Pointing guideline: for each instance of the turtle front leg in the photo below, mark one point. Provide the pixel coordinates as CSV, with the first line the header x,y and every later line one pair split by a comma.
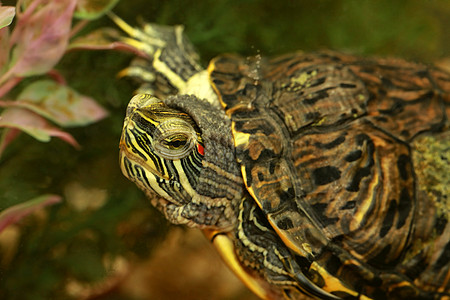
x,y
170,59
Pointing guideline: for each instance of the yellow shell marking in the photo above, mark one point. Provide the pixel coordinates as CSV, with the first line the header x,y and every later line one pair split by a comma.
x,y
333,284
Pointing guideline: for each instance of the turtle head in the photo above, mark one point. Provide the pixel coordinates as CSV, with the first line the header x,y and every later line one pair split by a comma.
x,y
166,151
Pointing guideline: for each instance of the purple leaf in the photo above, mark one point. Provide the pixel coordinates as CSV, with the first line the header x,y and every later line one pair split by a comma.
x,y
60,104
41,36
34,125
17,212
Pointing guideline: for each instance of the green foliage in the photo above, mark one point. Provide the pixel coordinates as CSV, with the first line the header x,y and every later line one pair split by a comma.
x,y
410,29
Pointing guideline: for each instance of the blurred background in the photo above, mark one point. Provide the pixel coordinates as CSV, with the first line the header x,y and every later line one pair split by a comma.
x,y
104,240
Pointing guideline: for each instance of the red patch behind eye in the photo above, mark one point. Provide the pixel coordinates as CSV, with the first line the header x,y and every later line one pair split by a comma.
x,y
200,149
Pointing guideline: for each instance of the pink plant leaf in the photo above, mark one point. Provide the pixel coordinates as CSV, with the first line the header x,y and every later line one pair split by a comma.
x,y
40,36
93,9
17,212
34,125
59,103
7,14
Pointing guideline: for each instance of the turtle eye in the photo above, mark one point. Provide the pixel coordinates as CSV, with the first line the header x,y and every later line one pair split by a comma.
x,y
174,139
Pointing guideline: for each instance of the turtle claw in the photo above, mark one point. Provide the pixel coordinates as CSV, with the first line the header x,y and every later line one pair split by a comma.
x,y
168,58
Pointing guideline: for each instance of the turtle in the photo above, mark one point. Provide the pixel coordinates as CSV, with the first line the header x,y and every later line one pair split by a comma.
x,y
322,174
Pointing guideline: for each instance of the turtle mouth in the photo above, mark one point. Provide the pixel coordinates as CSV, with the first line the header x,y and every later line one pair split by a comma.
x,y
134,147
131,163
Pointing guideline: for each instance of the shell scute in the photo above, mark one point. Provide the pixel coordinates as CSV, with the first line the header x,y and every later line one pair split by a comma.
x,y
325,146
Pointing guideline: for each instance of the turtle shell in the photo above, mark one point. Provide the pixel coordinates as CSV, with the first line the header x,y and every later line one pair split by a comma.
x,y
347,159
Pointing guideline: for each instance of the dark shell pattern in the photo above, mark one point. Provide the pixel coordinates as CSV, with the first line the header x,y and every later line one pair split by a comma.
x,y
348,159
